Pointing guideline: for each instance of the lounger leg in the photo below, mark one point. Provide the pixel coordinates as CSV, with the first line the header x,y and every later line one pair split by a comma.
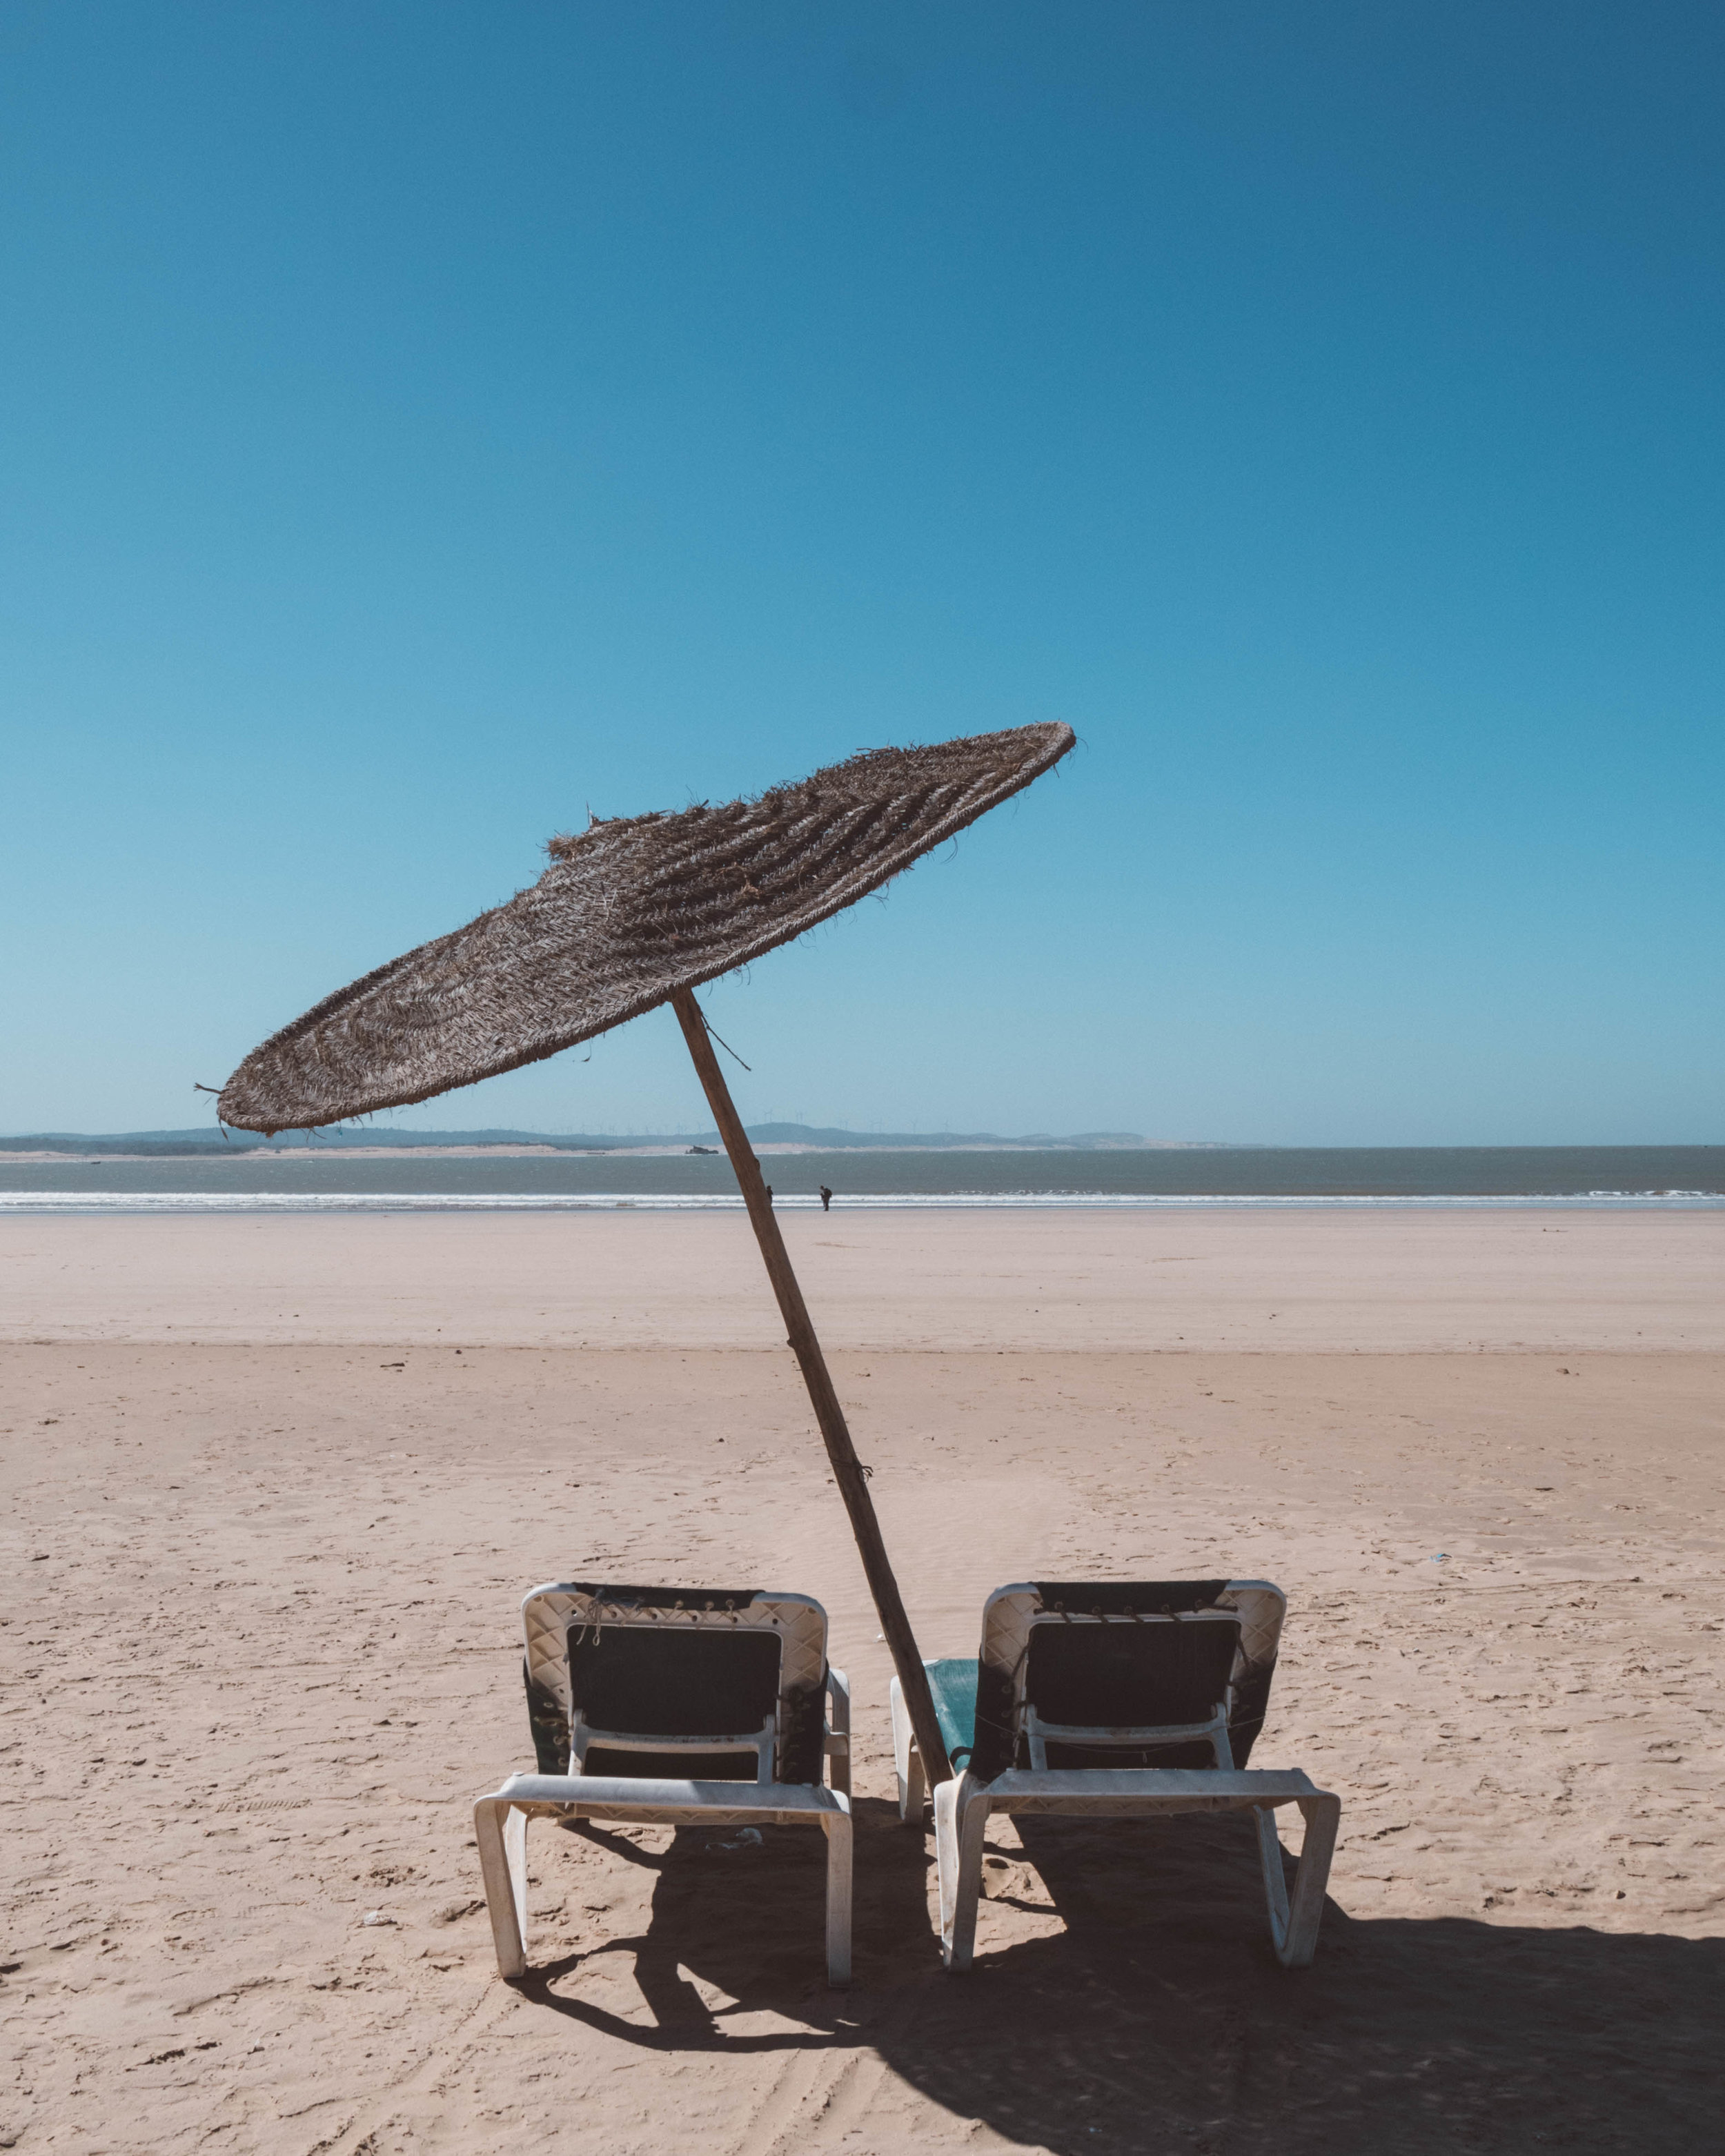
x,y
500,1829
912,1784
961,1821
838,1833
1322,1814
913,1791
946,1860
1276,1884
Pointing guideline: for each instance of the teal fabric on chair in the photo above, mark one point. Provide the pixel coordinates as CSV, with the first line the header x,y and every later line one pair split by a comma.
x,y
953,1685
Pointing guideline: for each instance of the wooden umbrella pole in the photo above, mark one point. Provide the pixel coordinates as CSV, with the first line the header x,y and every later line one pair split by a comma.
x,y
847,1469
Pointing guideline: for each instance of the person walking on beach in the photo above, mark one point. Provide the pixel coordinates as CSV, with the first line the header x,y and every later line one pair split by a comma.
x,y
826,1199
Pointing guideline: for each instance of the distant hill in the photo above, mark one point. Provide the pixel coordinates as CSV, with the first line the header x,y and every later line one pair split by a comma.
x,y
210,1140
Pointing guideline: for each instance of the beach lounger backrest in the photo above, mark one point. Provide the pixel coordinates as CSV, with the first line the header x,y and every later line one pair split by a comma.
x,y
617,1666
1124,1656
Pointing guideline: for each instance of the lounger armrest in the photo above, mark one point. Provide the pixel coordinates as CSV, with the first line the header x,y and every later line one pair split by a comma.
x,y
836,1744
501,1821
961,1810
619,1794
1162,1789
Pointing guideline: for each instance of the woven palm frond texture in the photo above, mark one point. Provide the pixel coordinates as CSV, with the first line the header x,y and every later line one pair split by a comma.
x,y
628,911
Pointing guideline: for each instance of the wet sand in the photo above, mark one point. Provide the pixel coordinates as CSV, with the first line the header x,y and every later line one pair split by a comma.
x,y
1398,1280
262,1648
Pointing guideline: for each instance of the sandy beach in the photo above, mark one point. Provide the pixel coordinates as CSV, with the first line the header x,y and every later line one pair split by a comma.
x,y
276,1486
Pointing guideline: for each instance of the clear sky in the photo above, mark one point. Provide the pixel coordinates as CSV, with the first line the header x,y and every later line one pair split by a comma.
x,y
424,422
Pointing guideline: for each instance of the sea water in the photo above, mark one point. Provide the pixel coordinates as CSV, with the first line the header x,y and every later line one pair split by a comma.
x,y
1680,1177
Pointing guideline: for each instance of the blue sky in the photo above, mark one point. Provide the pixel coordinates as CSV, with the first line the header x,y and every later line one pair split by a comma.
x,y
423,422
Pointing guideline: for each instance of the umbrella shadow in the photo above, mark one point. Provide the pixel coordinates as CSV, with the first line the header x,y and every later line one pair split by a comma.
x,y
1125,2001
1155,2017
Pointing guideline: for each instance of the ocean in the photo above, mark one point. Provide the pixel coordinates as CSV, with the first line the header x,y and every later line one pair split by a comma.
x,y
1683,1177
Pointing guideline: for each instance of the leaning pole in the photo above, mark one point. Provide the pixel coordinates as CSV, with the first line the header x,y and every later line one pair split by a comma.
x,y
848,1471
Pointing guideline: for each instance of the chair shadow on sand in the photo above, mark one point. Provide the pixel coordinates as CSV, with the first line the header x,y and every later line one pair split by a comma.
x,y
1152,2016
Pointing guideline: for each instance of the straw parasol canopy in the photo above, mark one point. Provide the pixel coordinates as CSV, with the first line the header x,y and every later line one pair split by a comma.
x,y
630,912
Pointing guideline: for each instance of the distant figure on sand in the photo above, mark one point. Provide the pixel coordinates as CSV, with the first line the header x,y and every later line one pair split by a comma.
x,y
826,1199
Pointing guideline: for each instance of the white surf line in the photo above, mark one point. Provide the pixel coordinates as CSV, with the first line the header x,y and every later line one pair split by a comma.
x,y
373,1201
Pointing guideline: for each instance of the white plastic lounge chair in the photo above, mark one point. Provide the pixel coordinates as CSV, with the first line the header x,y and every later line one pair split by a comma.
x,y
673,1707
1124,1700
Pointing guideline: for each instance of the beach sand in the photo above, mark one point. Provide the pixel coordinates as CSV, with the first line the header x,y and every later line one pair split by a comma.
x,y
268,1531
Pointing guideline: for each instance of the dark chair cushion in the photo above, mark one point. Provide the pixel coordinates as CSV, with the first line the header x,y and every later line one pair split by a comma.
x,y
664,1679
1119,1677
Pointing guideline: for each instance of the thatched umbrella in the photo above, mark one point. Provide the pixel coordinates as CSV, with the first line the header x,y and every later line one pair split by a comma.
x,y
633,913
